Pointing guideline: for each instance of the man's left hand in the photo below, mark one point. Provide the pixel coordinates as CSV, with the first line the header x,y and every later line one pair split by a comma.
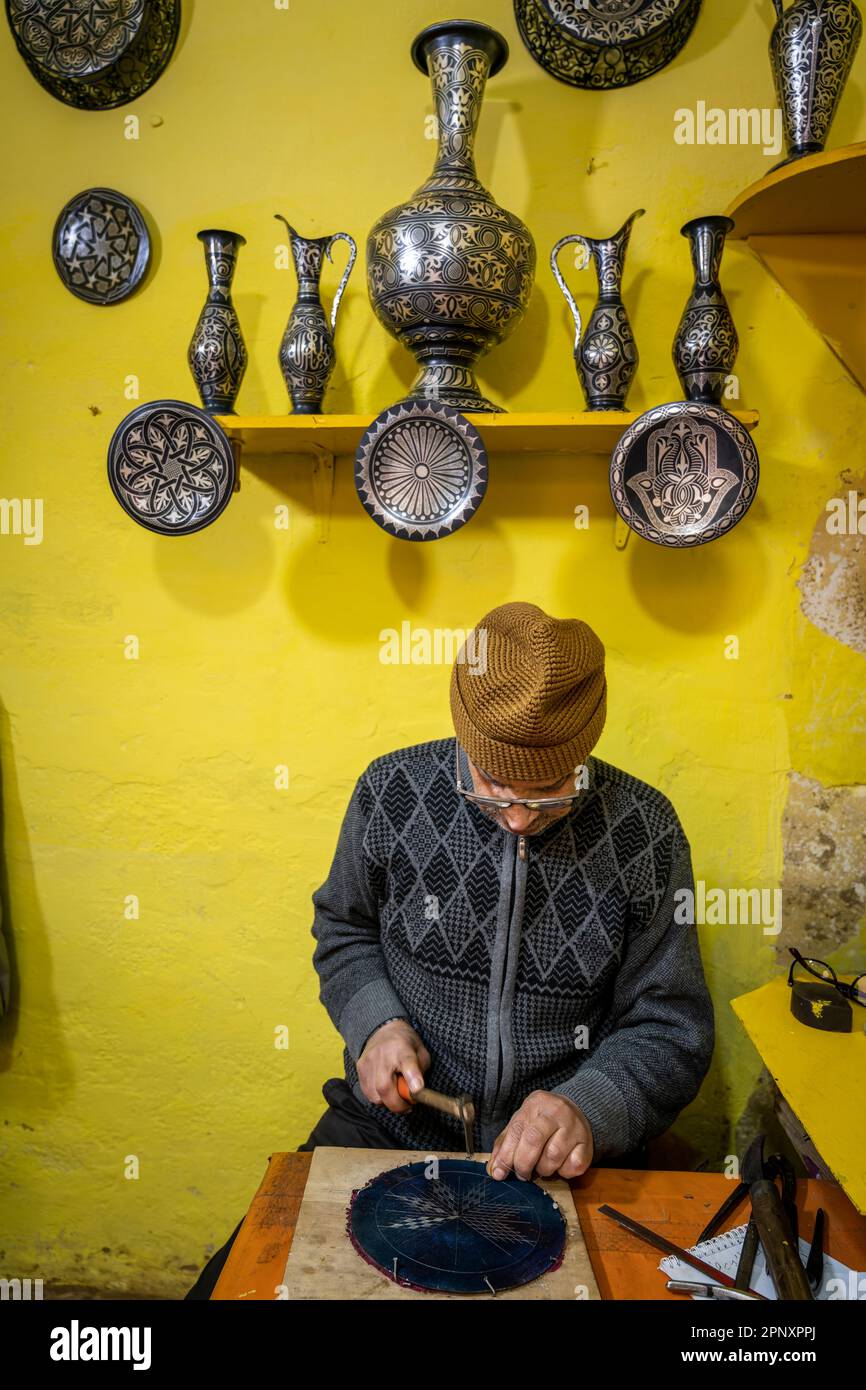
x,y
549,1135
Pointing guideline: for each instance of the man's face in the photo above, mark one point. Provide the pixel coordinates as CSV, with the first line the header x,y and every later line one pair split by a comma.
x,y
519,820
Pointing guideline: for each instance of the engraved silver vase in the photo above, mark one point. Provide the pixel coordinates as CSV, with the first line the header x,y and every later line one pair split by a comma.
x,y
706,342
450,272
812,50
217,353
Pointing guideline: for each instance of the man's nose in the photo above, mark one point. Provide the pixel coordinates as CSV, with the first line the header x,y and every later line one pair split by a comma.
x,y
518,819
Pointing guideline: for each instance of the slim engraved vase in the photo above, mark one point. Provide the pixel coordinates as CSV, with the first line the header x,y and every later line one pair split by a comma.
x,y
307,354
217,353
450,272
706,343
606,355
812,50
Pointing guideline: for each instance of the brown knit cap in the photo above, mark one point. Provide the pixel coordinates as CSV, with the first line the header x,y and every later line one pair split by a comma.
x,y
535,708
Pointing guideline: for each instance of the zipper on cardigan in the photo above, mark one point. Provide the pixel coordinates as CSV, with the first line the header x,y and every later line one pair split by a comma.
x,y
522,852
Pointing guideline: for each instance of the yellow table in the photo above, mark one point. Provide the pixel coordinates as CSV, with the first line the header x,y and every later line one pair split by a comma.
x,y
822,1077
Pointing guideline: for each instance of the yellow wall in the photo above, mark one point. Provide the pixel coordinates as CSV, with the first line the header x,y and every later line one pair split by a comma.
x,y
155,777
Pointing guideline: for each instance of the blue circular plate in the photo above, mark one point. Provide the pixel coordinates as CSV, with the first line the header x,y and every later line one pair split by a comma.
x,y
451,1229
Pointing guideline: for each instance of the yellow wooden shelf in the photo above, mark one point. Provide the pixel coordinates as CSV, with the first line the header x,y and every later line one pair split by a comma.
x,y
584,433
819,1074
807,224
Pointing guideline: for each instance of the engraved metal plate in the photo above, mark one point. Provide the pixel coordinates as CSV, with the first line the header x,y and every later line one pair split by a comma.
x,y
684,474
101,246
171,467
604,43
95,54
421,470
456,1230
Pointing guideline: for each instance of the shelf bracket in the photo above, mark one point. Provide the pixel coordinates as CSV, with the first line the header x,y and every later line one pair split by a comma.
x,y
323,490
236,452
621,532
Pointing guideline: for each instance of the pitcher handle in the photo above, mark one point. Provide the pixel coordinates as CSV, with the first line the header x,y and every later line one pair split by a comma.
x,y
341,236
569,297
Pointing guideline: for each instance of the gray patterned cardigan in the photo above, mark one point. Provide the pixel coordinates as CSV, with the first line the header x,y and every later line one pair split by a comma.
x,y
546,963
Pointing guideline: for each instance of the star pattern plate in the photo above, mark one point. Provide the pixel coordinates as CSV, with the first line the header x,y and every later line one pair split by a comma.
x,y
421,470
101,246
684,474
171,467
452,1229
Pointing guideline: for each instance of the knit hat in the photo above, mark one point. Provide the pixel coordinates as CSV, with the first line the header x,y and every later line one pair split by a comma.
x,y
534,707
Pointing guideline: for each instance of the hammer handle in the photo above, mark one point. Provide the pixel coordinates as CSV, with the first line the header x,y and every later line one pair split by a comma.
x,y
780,1246
434,1099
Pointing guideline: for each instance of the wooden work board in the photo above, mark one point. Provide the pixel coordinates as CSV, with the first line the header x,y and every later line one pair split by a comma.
x,y
323,1263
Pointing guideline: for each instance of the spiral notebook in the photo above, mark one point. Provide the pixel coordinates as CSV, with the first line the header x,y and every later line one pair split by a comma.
x,y
723,1253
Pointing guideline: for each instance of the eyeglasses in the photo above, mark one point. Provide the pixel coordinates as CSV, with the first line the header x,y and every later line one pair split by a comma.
x,y
856,991
547,803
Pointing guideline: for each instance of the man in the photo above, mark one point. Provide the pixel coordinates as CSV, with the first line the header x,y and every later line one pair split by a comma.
x,y
498,921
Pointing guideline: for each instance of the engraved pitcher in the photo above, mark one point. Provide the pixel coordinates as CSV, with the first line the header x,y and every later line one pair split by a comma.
x,y
307,353
606,355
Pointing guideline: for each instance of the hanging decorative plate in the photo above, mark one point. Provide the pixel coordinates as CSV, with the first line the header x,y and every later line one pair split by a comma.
x,y
604,43
683,474
452,1229
95,54
421,470
101,247
171,467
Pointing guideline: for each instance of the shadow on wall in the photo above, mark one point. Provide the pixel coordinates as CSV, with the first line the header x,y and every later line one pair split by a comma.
x,y
50,1074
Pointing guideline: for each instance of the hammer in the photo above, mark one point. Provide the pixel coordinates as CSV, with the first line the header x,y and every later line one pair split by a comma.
x,y
461,1107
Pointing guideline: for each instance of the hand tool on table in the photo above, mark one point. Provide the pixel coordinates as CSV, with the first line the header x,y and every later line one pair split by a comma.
x,y
652,1238
815,1262
718,1291
771,1215
462,1107
731,1202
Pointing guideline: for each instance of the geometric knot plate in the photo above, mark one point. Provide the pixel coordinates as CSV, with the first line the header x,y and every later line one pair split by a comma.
x,y
684,474
444,1226
171,467
101,246
421,470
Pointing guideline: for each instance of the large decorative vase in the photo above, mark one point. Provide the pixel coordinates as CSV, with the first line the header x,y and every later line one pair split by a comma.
x,y
606,355
812,49
307,355
217,352
706,344
450,272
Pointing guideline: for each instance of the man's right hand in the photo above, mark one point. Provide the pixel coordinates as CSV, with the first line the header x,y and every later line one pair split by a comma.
x,y
393,1049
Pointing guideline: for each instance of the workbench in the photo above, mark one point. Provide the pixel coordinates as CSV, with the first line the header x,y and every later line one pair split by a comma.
x,y
677,1205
